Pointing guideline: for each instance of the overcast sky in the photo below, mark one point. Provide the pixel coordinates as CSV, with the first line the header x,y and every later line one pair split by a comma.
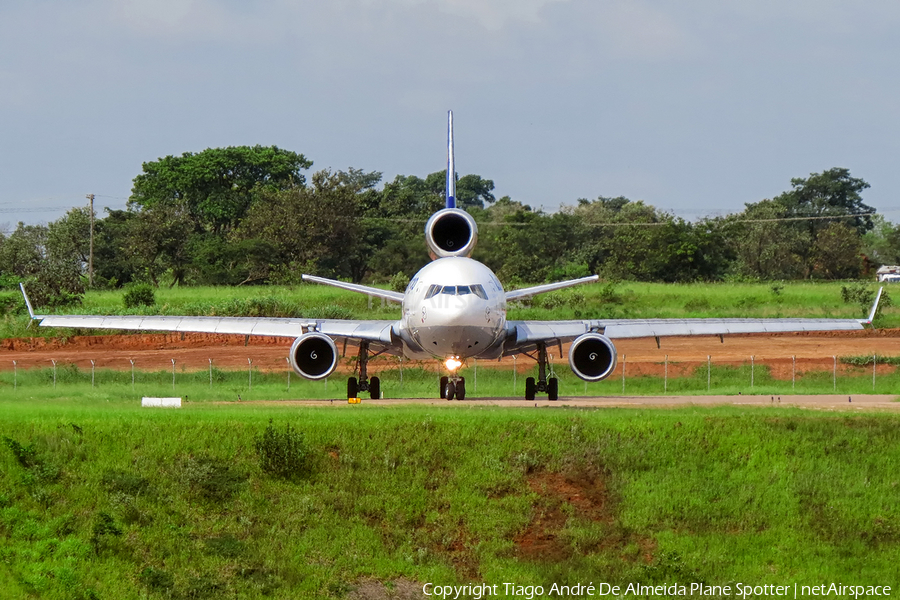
x,y
695,107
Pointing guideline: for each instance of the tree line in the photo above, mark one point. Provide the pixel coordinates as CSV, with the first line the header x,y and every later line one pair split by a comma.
x,y
255,215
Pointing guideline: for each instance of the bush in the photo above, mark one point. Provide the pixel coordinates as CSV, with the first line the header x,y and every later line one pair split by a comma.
x,y
399,282
140,294
211,478
283,453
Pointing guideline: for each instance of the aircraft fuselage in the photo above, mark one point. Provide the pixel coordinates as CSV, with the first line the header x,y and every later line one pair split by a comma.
x,y
454,307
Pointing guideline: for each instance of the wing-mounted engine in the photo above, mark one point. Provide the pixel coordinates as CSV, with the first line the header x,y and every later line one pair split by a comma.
x,y
451,232
313,355
592,357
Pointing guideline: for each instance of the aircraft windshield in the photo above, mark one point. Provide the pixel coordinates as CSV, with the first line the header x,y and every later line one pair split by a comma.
x,y
456,290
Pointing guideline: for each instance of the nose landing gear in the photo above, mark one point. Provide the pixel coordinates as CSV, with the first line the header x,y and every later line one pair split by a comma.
x,y
453,387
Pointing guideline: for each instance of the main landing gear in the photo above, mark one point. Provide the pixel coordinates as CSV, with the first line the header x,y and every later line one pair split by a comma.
x,y
363,384
550,386
453,387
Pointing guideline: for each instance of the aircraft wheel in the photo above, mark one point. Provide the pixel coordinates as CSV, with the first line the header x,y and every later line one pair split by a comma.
x,y
450,390
553,389
352,388
375,388
461,389
530,388
444,381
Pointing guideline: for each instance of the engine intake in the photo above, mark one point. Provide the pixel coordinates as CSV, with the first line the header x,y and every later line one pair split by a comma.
x,y
592,357
451,232
313,355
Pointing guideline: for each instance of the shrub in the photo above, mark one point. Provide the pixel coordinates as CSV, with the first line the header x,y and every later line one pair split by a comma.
x,y
140,294
157,580
211,478
283,453
104,528
399,281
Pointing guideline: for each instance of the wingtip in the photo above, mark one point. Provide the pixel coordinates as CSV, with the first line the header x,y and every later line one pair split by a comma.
x,y
27,300
871,317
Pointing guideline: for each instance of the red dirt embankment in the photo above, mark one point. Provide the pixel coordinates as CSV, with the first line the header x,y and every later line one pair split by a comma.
x,y
193,351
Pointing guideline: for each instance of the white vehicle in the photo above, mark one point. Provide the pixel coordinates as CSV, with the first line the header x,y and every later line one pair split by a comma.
x,y
454,309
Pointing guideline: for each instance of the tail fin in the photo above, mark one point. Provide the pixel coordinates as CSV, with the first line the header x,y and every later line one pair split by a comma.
x,y
451,165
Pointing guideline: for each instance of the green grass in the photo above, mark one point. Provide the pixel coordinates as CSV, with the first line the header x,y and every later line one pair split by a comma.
x,y
112,501
75,385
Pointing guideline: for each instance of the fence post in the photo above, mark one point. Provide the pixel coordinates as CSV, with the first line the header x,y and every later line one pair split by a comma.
x,y
834,374
54,372
475,383
514,374
210,371
15,375
623,373
666,377
289,371
132,373
250,374
793,373
874,359
92,373
173,373
752,366
401,371
708,372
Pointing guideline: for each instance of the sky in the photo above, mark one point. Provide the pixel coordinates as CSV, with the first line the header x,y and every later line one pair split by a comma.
x,y
694,107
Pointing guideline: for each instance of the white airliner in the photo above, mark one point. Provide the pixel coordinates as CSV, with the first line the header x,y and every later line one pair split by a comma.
x,y
454,309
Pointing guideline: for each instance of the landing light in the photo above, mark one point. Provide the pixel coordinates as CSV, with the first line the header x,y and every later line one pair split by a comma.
x,y
453,364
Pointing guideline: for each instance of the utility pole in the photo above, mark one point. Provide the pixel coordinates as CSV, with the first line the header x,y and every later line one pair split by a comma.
x,y
91,253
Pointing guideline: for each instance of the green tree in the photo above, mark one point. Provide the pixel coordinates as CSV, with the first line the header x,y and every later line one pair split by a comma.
x,y
53,275
218,185
316,227
764,244
820,200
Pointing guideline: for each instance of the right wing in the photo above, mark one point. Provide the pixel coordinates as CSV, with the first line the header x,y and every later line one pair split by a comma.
x,y
381,332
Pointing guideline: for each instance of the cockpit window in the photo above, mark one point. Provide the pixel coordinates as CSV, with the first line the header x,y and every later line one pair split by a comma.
x,y
456,290
478,290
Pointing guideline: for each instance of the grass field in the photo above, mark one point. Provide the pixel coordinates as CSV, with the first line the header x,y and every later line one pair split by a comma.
x,y
75,384
104,500
601,300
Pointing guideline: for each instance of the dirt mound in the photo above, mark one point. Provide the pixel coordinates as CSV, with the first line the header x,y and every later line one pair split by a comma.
x,y
579,495
587,496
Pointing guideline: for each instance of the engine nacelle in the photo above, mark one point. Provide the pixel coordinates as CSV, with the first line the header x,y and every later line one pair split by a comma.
x,y
313,355
451,232
592,357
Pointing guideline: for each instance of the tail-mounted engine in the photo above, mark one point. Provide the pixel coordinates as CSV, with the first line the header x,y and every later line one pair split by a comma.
x,y
451,232
313,355
592,357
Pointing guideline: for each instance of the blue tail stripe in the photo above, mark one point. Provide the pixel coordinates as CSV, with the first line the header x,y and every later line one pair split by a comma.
x,y
451,165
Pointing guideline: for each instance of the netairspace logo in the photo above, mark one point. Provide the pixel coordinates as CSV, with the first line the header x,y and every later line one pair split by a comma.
x,y
737,590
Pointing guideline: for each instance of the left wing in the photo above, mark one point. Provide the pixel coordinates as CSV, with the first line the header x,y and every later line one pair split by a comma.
x,y
525,335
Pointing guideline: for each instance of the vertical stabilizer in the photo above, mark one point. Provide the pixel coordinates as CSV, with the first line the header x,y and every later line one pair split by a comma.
x,y
451,165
